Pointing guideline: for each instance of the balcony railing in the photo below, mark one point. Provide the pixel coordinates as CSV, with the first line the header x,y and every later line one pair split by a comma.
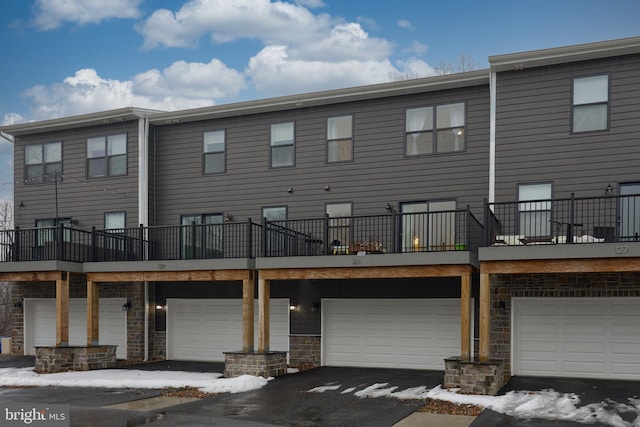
x,y
376,234
574,220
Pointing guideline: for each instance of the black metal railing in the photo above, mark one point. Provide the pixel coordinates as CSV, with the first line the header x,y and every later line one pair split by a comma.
x,y
389,233
563,221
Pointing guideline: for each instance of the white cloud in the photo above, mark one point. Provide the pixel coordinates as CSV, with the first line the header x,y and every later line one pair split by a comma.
x,y
273,72
406,24
416,48
417,67
228,20
180,86
192,80
11,119
311,3
50,14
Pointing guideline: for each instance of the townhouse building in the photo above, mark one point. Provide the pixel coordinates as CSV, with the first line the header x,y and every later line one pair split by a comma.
x,y
489,218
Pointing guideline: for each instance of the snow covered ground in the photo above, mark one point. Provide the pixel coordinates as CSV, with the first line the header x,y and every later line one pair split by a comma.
x,y
544,404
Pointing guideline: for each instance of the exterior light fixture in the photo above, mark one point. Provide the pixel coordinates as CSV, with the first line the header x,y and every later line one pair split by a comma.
x,y
609,190
293,307
161,307
126,306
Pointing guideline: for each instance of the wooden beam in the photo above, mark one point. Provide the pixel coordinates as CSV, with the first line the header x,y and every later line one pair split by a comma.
x,y
93,313
62,312
465,317
248,295
31,276
264,296
587,265
170,276
366,272
485,317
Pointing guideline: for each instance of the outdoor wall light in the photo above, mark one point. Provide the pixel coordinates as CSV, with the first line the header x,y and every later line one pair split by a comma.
x,y
126,306
228,217
609,190
327,187
290,190
315,306
161,307
17,304
293,307
389,208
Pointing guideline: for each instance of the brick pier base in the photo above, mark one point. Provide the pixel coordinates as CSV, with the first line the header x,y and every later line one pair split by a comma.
x,y
50,360
474,377
271,364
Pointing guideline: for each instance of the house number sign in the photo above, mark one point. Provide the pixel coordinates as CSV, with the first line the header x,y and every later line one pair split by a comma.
x,y
622,249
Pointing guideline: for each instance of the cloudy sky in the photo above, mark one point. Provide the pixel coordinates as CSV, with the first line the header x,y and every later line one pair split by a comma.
x,y
68,57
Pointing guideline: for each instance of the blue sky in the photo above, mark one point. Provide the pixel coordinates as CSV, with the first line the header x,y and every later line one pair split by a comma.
x,y
68,57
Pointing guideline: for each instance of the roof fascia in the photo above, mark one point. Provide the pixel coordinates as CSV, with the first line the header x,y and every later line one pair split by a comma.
x,y
292,102
93,119
560,55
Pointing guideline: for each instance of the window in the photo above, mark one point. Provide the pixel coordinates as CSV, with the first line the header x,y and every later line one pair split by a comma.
x,y
114,220
339,224
591,103
432,130
282,145
214,152
534,216
202,236
43,162
339,139
277,233
428,226
107,156
50,232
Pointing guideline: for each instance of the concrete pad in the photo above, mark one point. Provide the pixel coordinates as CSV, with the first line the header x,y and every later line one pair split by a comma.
x,y
152,403
425,419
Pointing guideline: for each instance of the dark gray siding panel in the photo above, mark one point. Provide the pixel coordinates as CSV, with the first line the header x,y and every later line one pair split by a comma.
x,y
379,173
533,130
83,199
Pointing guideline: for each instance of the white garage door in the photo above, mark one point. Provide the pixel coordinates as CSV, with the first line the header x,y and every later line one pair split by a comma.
x,y
40,323
587,337
202,329
398,333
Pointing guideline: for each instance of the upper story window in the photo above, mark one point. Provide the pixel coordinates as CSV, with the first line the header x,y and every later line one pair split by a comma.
x,y
282,145
591,103
43,162
340,139
432,130
114,220
107,156
214,152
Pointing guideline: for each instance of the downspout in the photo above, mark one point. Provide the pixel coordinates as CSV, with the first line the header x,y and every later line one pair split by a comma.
x,y
143,210
492,137
11,140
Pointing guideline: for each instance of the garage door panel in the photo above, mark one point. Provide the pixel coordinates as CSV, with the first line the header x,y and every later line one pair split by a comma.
x,y
203,329
398,333
40,323
591,337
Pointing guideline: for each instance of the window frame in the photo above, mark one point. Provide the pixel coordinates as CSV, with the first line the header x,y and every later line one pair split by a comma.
x,y
548,207
207,239
124,216
339,230
292,145
435,129
206,153
42,178
575,106
107,157
330,140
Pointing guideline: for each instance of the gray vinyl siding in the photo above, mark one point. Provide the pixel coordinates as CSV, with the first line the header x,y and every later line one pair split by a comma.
x,y
533,130
83,199
380,172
